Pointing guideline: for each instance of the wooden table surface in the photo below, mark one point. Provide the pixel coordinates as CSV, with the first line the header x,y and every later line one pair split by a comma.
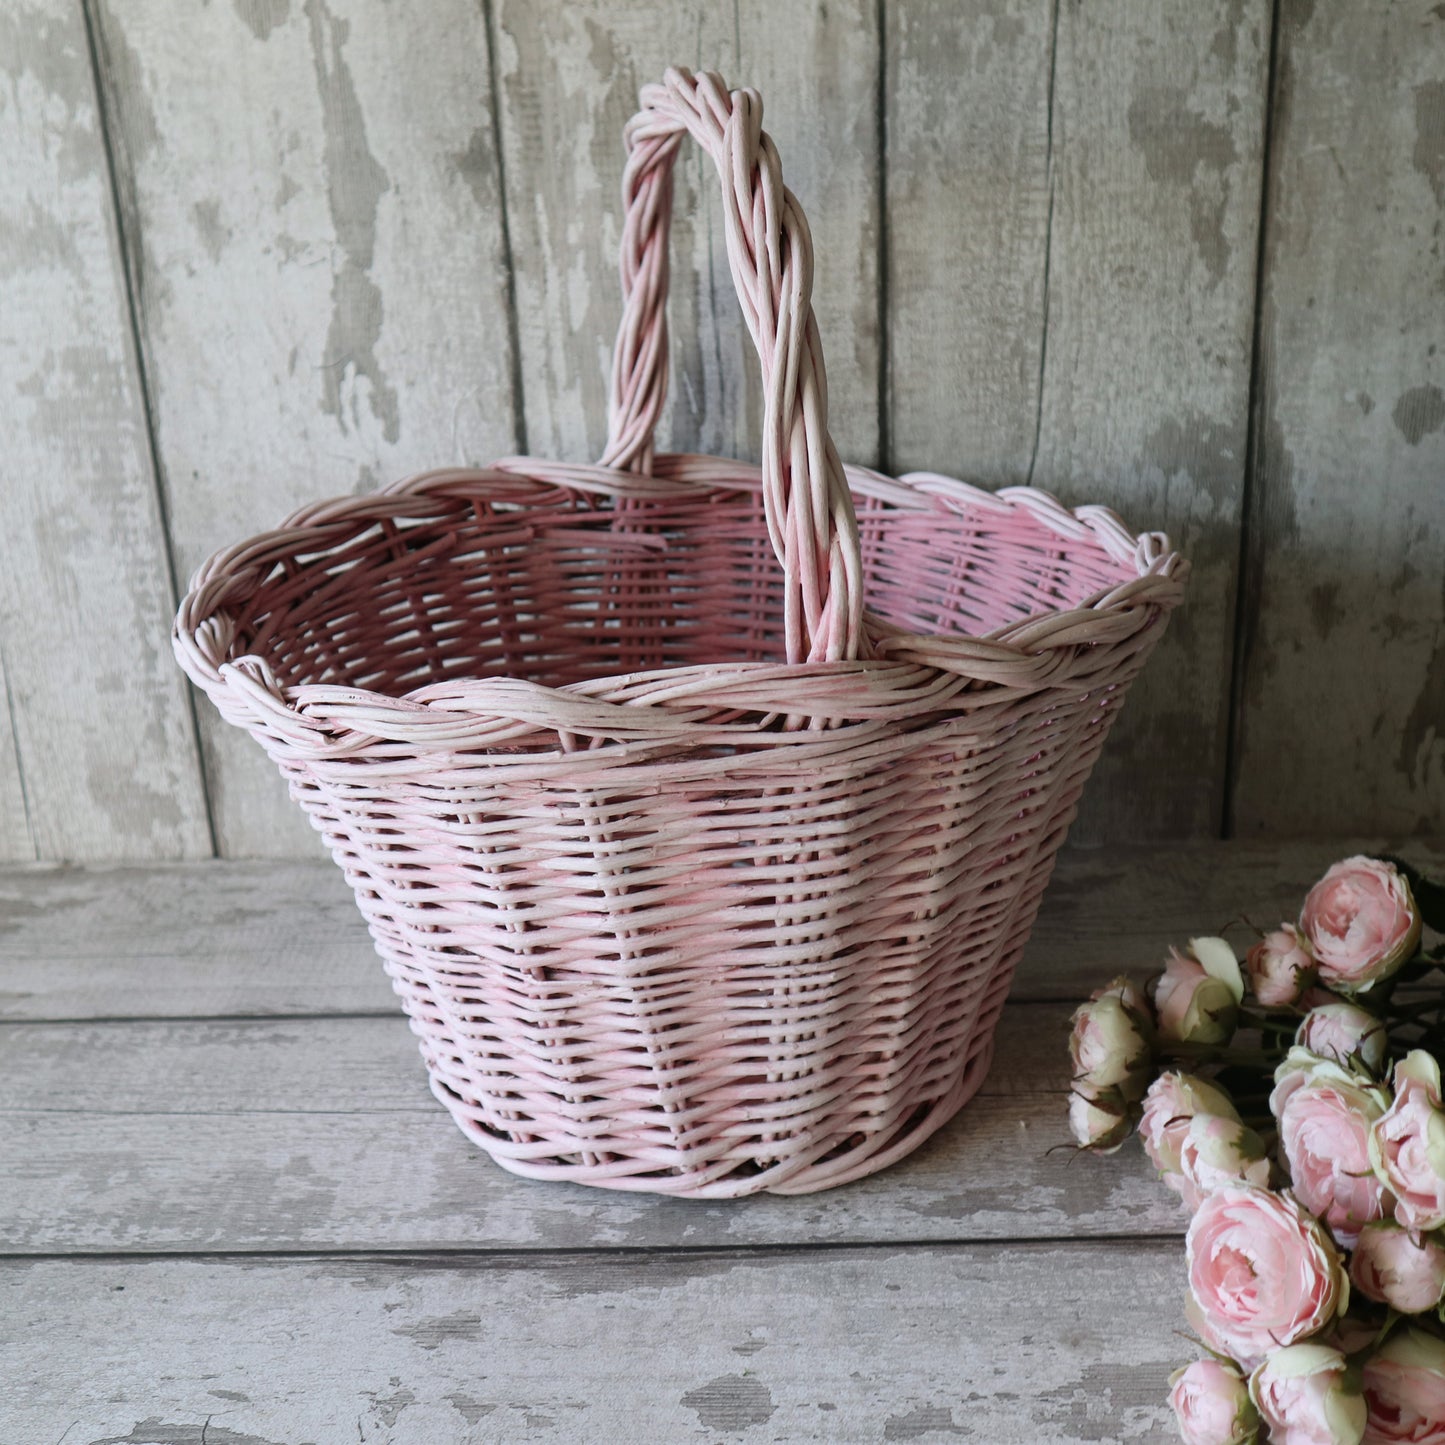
x,y
232,1213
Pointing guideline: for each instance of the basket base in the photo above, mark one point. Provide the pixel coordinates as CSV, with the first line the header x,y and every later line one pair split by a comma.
x,y
827,1171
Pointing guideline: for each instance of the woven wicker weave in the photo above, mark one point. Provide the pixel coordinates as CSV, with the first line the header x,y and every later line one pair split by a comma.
x,y
668,912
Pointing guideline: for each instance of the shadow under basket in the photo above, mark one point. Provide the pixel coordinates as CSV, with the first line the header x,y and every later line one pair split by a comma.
x,y
668,913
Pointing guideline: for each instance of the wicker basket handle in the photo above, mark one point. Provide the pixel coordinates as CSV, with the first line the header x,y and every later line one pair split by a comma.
x,y
805,494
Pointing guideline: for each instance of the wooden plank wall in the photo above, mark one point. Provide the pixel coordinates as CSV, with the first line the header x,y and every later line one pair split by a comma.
x,y
1182,259
1342,690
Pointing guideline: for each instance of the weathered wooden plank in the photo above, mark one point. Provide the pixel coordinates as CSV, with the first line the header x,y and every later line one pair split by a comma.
x,y
1024,1344
1158,125
1343,690
231,938
322,1134
966,104
101,723
398,1179
217,938
320,275
363,1065
568,81
16,842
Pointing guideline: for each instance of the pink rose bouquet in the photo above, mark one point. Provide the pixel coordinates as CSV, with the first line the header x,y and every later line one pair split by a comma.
x,y
1294,1102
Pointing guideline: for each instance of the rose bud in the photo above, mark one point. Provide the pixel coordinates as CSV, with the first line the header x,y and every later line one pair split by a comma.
x,y
1212,1405
1111,1044
1262,1273
1219,1151
1170,1106
1407,1145
1404,1383
1280,967
1392,1269
1306,1397
1099,1120
1325,1114
1361,922
1345,1033
1198,995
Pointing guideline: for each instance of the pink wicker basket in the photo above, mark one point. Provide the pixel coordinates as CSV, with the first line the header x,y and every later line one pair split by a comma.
x,y
668,913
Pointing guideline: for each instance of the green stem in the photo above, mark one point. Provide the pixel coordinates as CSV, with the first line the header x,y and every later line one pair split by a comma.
x,y
1216,1054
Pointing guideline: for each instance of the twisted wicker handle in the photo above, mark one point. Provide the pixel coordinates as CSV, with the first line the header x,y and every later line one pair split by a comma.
x,y
805,494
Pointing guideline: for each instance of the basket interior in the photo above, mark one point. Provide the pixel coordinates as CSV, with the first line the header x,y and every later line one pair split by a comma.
x,y
564,591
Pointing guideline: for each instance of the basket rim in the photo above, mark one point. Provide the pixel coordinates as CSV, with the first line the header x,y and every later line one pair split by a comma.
x,y
906,671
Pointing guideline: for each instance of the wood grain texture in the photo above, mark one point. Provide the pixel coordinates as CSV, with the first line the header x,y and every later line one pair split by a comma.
x,y
1026,1344
282,939
360,1065
1343,691
297,1135
97,722
568,81
313,191
966,107
16,841
187,941
1158,141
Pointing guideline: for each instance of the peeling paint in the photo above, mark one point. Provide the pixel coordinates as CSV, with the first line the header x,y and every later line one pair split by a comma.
x,y
263,16
477,166
1419,412
1209,453
1183,147
355,186
1428,155
731,1402
155,1431
469,1409
388,1408
207,216
925,1420
430,1334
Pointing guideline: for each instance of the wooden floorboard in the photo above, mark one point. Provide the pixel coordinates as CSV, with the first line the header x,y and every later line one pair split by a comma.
x,y
321,1134
231,1212
1031,1344
224,939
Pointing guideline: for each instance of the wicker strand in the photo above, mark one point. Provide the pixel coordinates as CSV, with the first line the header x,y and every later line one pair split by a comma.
x,y
809,507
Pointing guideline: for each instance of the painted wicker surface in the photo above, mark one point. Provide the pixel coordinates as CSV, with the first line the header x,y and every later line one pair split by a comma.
x,y
699,819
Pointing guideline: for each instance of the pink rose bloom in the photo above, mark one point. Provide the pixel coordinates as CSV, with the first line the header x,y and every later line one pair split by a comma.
x,y
1361,923
1262,1273
1392,1269
1280,967
1407,1145
1111,1044
1212,1405
1219,1151
1171,1103
1325,1114
1304,1395
1405,1390
1197,997
1344,1032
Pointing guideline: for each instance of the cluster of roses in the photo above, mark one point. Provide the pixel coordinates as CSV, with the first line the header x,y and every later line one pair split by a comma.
x,y
1313,1162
